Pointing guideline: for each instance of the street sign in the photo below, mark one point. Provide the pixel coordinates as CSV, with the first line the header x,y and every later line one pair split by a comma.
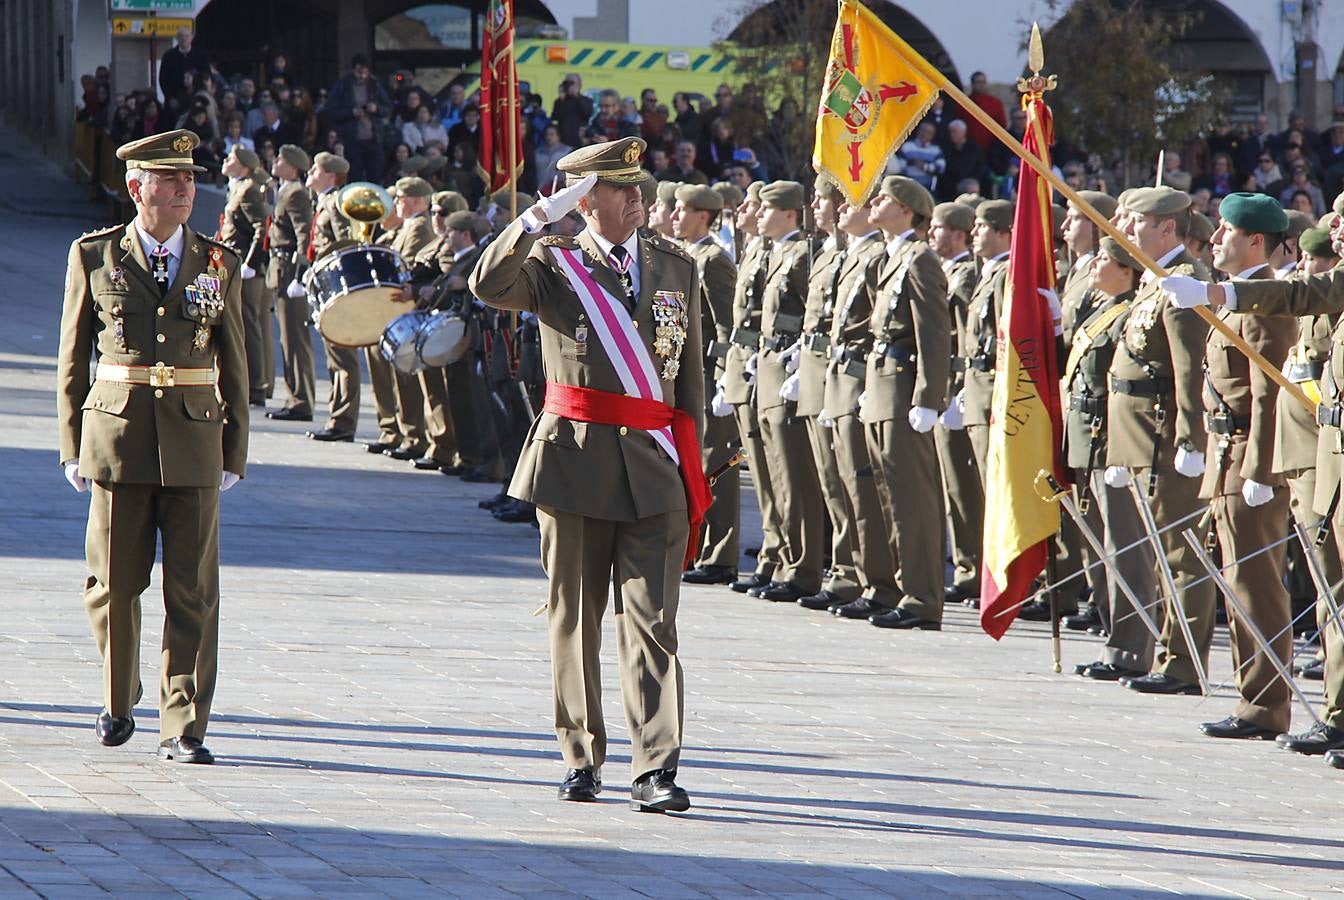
x,y
154,27
177,6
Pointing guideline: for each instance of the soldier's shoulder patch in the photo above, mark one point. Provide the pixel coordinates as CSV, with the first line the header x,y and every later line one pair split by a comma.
x,y
558,240
100,233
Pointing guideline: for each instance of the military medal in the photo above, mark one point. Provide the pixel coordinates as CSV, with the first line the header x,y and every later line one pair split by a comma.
x,y
670,322
581,338
117,276
201,339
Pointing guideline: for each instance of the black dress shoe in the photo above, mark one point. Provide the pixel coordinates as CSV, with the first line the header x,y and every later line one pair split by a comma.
x,y
710,575
1313,671
1085,620
517,511
581,785
1319,739
378,446
402,453
822,599
454,471
754,580
331,434
904,619
1081,668
427,464
256,401
954,594
494,502
1104,671
657,792
1034,611
1158,683
1238,729
1335,758
479,478
287,414
972,602
113,731
185,750
861,608
781,592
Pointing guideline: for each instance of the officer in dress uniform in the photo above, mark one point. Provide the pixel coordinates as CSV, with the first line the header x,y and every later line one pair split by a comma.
x,y
159,433
331,228
411,196
1155,434
620,326
243,229
696,209
291,229
905,389
963,493
796,489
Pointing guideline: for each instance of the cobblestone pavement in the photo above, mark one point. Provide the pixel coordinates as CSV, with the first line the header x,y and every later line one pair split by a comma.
x,y
382,715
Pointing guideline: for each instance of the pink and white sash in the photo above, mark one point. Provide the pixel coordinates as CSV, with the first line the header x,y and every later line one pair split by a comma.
x,y
619,337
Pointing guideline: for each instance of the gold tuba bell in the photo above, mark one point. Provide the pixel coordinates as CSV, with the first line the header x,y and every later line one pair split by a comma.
x,y
365,204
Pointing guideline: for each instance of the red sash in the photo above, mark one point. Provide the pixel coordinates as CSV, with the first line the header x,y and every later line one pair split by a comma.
x,y
605,408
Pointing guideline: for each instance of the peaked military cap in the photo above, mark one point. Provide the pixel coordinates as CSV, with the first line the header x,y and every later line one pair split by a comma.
x,y
697,196
170,151
784,195
616,162
1255,213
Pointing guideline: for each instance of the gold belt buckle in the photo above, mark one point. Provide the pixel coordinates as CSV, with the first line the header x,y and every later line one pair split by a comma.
x,y
161,376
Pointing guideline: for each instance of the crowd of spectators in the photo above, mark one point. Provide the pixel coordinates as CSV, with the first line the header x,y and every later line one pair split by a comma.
x,y
399,128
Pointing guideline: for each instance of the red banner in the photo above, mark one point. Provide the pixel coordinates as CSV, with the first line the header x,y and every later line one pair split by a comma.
x,y
499,99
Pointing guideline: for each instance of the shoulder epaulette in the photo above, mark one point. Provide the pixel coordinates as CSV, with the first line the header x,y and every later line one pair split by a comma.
x,y
214,243
660,243
557,240
101,232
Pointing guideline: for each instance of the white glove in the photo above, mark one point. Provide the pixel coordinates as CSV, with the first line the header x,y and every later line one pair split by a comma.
x,y
750,368
863,397
825,421
1189,463
228,480
295,290
79,483
791,356
789,390
1185,292
247,272
954,417
1255,493
563,202
719,404
1116,477
922,418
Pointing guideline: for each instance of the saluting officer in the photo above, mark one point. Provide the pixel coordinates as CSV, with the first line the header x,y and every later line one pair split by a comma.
x,y
156,437
696,208
291,230
905,389
620,324
243,230
330,229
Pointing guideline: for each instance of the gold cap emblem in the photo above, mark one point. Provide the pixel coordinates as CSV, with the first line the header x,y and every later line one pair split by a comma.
x,y
631,154
182,144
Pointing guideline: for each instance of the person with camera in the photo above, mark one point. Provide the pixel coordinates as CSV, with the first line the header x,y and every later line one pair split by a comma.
x,y
572,110
359,108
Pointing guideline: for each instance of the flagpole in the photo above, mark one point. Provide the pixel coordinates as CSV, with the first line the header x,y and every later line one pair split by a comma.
x,y
513,118
994,128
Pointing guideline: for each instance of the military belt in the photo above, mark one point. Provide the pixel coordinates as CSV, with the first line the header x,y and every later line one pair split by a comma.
x,y
1328,415
817,342
1222,423
981,362
779,341
1300,373
851,362
746,337
159,375
958,364
1092,406
899,352
1143,387
717,350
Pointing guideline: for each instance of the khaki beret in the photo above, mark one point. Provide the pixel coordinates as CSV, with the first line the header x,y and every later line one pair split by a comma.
x,y
754,191
434,165
1298,222
997,214
826,187
449,201
1102,202
1338,206
330,162
1122,201
412,186
245,156
170,150
732,195
908,192
1201,227
784,195
1328,221
972,199
295,156
958,216
697,196
1316,242
1254,213
500,198
463,220
1179,180
667,192
617,162
1116,251
1158,201
413,165
1057,214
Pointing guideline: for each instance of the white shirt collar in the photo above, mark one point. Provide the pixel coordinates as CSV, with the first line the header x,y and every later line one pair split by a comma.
x,y
1247,273
829,243
631,244
787,237
895,244
958,258
1082,262
1171,254
463,252
174,243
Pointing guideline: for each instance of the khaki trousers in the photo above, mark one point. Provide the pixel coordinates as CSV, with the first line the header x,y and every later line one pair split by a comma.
x,y
797,495
770,556
1333,641
124,522
296,350
842,581
343,401
1302,488
584,559
384,396
874,567
410,412
1176,498
258,338
964,494
909,486
438,421
978,435
1115,520
719,534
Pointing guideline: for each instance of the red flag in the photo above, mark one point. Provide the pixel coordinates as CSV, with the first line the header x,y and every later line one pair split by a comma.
x,y
499,98
1026,425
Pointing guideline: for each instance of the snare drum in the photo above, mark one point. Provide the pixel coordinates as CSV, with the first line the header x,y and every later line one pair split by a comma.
x,y
356,292
397,344
441,340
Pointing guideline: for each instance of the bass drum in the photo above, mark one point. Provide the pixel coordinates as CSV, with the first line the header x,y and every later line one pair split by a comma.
x,y
356,292
442,340
397,344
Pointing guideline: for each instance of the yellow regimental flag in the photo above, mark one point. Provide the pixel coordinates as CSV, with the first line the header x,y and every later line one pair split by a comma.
x,y
873,96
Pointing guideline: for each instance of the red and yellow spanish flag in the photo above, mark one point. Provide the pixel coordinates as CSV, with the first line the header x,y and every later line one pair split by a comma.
x,y
1025,421
872,97
499,98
